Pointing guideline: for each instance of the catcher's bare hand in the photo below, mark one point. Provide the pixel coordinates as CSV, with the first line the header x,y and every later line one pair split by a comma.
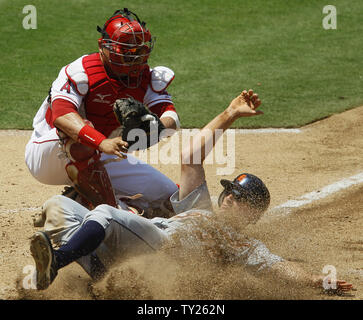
x,y
246,104
114,146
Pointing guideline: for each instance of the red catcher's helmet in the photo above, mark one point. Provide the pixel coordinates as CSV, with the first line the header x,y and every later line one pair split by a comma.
x,y
129,45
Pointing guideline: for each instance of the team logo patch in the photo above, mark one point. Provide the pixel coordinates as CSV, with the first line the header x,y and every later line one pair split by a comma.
x,y
101,98
241,177
66,87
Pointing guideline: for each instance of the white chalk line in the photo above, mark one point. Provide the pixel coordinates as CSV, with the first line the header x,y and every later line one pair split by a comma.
x,y
21,209
15,133
287,207
253,131
265,130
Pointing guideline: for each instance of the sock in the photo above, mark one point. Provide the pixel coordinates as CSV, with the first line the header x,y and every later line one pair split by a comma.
x,y
82,243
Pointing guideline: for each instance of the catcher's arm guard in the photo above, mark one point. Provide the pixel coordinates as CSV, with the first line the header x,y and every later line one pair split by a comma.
x,y
132,114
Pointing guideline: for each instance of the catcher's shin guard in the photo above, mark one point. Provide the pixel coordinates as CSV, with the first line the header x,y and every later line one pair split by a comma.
x,y
89,174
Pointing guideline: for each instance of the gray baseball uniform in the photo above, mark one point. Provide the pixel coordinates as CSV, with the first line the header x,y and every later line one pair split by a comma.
x,y
127,233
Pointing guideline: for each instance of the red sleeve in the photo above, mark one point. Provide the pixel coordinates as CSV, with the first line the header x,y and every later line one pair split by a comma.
x,y
160,108
60,107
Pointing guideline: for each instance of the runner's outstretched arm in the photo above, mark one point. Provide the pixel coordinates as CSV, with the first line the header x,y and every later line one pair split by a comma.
x,y
193,156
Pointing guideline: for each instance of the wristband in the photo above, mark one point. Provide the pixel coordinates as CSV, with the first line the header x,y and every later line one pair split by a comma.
x,y
90,137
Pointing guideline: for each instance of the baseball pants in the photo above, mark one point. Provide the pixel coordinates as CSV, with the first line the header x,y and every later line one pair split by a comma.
x,y
128,177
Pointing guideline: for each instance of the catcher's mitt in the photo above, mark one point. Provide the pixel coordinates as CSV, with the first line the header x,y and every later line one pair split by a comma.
x,y
132,114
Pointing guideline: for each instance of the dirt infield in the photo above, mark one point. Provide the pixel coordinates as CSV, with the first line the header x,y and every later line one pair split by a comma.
x,y
325,232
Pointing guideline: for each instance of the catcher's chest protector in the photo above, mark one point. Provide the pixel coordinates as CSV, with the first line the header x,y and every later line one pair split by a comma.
x,y
103,92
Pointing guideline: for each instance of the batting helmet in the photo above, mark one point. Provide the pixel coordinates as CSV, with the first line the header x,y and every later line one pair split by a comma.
x,y
129,44
249,188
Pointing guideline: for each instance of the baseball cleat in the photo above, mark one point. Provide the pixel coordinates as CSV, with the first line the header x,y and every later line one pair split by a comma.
x,y
42,251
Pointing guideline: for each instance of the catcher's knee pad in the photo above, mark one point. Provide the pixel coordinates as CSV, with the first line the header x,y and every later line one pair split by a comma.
x,y
88,174
92,181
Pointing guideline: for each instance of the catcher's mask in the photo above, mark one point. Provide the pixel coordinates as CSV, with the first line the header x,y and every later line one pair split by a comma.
x,y
129,44
248,188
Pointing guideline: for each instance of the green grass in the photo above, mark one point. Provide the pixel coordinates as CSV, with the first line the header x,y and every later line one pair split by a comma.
x,y
216,48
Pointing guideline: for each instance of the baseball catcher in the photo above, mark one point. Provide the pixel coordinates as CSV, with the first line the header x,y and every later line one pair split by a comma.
x,y
76,132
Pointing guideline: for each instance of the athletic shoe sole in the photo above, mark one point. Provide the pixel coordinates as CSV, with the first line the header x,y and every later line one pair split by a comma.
x,y
42,252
